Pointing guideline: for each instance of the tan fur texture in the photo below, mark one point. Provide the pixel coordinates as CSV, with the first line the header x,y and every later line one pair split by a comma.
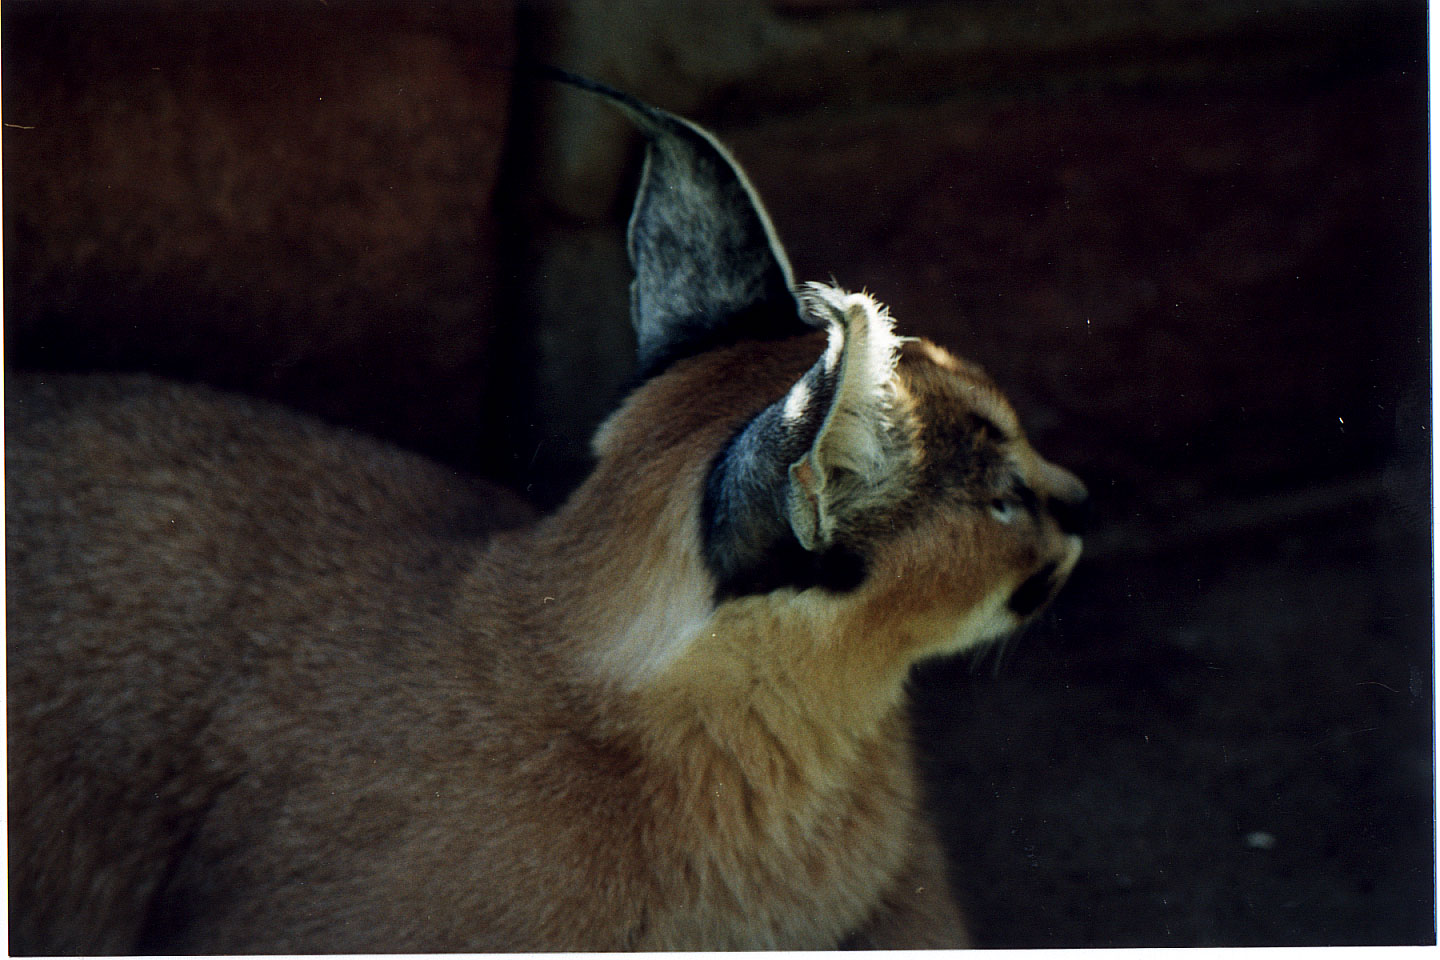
x,y
276,687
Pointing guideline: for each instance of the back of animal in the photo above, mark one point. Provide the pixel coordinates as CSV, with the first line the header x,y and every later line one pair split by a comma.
x,y
277,686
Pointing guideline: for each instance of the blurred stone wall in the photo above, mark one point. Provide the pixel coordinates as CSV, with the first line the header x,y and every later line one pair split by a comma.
x,y
293,199
1189,238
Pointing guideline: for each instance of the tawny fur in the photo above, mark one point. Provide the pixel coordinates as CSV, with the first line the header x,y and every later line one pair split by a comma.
x,y
272,688
275,687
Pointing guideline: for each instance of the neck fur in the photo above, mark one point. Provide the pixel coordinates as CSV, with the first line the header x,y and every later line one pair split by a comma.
x,y
796,681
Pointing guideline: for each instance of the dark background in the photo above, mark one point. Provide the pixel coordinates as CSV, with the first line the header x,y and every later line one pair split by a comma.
x,y
1189,238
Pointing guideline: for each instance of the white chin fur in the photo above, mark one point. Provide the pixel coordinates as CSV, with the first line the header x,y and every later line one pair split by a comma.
x,y
985,623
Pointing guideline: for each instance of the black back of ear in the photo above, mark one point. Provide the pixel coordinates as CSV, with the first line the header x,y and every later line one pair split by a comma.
x,y
708,267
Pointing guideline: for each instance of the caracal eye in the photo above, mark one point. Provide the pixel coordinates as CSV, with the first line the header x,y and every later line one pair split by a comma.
x,y
1002,510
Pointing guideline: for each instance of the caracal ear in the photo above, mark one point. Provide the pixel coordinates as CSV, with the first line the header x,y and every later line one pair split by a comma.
x,y
806,467
708,267
855,462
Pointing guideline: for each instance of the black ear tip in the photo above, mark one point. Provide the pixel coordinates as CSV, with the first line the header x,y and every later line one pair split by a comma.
x,y
649,119
709,270
548,71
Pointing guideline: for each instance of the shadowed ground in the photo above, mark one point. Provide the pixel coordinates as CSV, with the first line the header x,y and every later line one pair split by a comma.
x,y
1218,748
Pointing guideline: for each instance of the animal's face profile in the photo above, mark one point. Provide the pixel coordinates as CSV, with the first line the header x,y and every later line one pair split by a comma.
x,y
851,474
997,523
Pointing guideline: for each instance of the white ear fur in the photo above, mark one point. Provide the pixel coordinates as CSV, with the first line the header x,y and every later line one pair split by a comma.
x,y
852,464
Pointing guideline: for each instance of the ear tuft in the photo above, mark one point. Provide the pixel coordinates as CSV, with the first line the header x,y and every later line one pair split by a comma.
x,y
709,269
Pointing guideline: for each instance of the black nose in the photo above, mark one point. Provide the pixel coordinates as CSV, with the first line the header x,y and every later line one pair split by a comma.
x,y
1071,516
